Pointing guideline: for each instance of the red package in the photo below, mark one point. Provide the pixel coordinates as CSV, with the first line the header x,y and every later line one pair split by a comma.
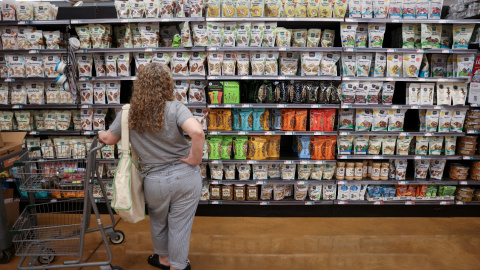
x,y
329,122
301,120
316,120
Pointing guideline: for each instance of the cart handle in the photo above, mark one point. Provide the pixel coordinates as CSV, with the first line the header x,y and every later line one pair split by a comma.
x,y
95,146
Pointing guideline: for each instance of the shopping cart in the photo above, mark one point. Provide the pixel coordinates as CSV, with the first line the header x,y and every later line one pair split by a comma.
x,y
58,228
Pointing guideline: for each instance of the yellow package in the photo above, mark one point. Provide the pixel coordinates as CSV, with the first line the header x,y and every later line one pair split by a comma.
x,y
243,8
325,8
273,8
257,7
227,120
228,9
273,146
258,148
339,8
300,8
312,8
213,8
212,120
289,8
264,120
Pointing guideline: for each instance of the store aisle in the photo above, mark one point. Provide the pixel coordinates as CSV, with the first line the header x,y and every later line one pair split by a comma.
x,y
312,243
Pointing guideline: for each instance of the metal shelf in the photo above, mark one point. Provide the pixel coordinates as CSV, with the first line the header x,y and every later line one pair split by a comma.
x,y
270,161
383,106
35,22
402,133
398,157
410,50
276,49
397,182
389,20
38,106
471,131
196,105
100,106
49,132
271,181
467,203
395,202
273,19
276,105
114,20
404,79
468,182
287,201
134,78
34,51
29,79
297,78
273,132
157,49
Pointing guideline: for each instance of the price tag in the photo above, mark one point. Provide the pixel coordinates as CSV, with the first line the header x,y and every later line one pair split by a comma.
x,y
212,48
244,77
212,77
261,182
319,162
409,203
282,78
281,106
467,157
150,49
84,79
415,107
216,162
9,80
89,133
124,20
342,182
447,51
418,157
17,106
288,162
216,182
350,50
395,21
9,180
242,133
378,203
53,200
282,48
403,134
344,106
472,132
437,107
269,133
460,203
402,182
301,182
252,162
290,19
227,105
347,78
391,50
304,162
319,133
442,80
396,107
421,79
309,203
213,132
76,21
246,105
463,183
289,133
344,133
344,157
23,22
33,133
315,106
428,134
264,203
34,51
213,106
215,202
377,157
444,203
342,202
420,51
85,106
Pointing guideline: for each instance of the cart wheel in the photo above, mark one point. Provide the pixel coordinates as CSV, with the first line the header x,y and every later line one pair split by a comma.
x,y
47,259
6,257
120,238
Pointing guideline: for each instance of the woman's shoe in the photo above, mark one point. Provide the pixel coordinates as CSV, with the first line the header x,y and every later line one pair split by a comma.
x,y
188,267
154,260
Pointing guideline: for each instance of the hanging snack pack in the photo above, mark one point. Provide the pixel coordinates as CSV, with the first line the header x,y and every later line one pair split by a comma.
x,y
396,119
364,119
348,32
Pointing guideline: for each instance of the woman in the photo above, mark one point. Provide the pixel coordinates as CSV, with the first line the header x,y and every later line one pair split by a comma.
x,y
172,177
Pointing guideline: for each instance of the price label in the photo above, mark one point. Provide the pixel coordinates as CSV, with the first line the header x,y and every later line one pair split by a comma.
x,y
428,134
301,182
17,106
343,157
264,203
391,50
282,48
290,19
472,132
216,162
9,180
34,51
344,133
261,182
447,51
463,183
242,133
288,162
289,133
442,80
212,77
269,133
342,202
9,80
420,51
409,203
350,50
319,133
319,162
124,20
309,203
85,106
460,203
418,157
347,78
389,79
246,105
467,157
437,107
395,21
415,107
281,106
23,22
53,200
33,133
76,21
149,49
215,182
215,202
444,203
282,78
89,133
378,203
244,77
213,106
212,48
396,107
315,106
342,182
402,182
403,134
421,79
252,162
345,106
377,157
213,132
304,162
227,105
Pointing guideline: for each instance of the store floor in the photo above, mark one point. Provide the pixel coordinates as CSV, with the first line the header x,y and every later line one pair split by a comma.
x,y
309,243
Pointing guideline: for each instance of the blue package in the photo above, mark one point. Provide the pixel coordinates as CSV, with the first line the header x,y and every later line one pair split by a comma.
x,y
236,119
258,114
303,145
246,119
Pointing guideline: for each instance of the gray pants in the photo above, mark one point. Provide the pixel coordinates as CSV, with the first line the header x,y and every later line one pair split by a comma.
x,y
172,197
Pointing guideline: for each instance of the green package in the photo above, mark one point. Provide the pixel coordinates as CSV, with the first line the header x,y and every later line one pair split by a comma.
x,y
214,144
231,92
240,147
227,143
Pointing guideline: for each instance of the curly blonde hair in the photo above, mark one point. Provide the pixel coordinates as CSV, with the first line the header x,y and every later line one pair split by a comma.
x,y
152,89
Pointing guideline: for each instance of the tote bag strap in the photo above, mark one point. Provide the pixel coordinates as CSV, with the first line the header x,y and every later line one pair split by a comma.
x,y
125,131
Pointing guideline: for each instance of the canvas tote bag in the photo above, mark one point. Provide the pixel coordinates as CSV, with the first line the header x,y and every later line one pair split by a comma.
x,y
128,197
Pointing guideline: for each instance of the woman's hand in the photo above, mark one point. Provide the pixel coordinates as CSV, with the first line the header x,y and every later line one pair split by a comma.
x,y
191,159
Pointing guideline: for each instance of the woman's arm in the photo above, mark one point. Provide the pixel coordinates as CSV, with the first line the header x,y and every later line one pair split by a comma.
x,y
107,137
195,130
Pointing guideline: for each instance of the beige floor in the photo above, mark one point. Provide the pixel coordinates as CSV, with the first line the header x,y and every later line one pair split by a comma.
x,y
310,243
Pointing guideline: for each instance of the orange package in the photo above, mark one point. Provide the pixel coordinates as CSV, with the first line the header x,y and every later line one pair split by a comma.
x,y
301,120
331,146
273,146
227,120
288,120
212,120
422,191
401,190
329,119
318,147
257,147
316,120
411,191
265,120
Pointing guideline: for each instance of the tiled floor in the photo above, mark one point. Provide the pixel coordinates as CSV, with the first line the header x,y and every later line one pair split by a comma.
x,y
309,243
